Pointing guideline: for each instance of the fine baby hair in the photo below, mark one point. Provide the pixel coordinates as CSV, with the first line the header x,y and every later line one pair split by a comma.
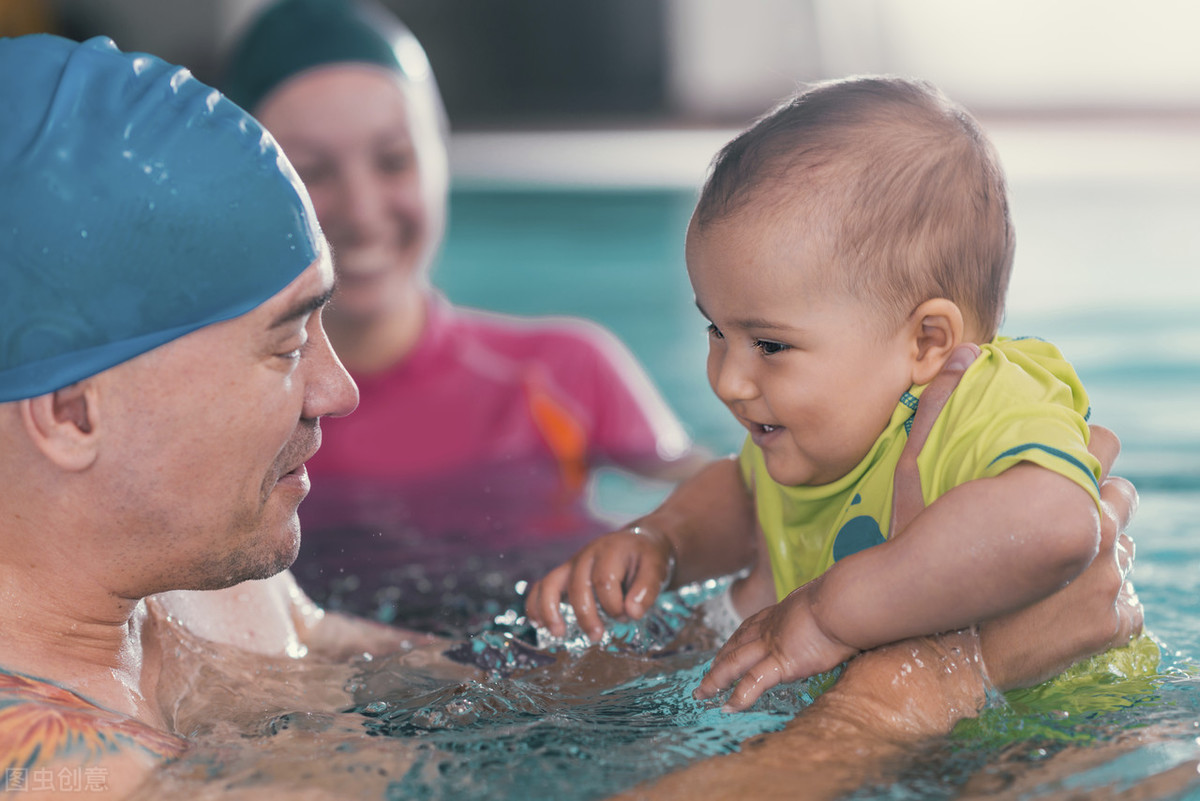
x,y
900,182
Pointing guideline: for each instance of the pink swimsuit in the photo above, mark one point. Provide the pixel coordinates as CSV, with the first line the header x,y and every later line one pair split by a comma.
x,y
483,437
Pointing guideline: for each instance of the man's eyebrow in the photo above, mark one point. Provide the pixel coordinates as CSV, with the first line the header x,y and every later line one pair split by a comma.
x,y
303,307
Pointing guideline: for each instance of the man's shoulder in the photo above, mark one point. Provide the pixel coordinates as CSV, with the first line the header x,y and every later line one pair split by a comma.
x,y
53,740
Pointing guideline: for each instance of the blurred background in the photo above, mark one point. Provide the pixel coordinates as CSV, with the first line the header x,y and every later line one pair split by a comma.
x,y
506,63
581,130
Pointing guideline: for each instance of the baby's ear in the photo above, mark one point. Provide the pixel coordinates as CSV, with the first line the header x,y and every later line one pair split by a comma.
x,y
937,327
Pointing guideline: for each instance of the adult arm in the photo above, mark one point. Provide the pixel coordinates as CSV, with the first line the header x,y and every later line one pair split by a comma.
x,y
863,728
285,623
337,636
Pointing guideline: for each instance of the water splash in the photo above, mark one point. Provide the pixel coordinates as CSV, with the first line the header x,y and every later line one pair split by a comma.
x,y
594,719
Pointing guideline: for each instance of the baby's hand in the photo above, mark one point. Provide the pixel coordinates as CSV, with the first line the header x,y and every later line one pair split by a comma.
x,y
781,643
624,571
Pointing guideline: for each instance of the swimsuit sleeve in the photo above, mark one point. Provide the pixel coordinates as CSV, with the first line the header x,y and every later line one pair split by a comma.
x,y
1021,403
630,423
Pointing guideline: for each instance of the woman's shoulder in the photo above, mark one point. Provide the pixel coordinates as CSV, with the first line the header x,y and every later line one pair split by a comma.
x,y
561,336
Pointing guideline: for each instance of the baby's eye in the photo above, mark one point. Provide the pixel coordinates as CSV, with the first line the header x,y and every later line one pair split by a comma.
x,y
714,332
768,347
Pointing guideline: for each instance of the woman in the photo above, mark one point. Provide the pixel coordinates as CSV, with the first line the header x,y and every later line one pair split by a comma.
x,y
475,432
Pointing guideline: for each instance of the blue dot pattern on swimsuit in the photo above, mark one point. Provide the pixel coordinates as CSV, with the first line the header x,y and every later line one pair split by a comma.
x,y
136,205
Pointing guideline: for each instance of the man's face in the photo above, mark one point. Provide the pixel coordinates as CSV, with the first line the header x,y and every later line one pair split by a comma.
x,y
209,435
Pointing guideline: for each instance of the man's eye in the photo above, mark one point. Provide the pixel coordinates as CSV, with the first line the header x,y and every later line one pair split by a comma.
x,y
714,332
768,347
295,354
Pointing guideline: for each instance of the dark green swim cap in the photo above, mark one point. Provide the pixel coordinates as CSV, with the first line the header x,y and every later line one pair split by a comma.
x,y
136,205
292,36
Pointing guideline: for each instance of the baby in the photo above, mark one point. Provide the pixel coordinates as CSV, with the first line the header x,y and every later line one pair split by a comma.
x,y
847,249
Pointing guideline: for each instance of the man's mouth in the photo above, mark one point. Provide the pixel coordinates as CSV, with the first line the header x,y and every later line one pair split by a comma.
x,y
307,449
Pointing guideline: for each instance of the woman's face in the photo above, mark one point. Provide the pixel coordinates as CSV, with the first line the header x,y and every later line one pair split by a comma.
x,y
368,148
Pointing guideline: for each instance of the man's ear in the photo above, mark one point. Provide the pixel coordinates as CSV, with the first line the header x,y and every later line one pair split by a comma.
x,y
63,424
937,326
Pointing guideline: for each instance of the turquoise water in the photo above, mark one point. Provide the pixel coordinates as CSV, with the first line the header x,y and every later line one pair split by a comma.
x,y
596,721
1104,269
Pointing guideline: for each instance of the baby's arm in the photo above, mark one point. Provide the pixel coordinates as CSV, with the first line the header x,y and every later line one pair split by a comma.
x,y
986,548
705,528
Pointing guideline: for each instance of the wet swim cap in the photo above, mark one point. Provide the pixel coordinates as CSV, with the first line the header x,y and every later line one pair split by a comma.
x,y
295,35
136,205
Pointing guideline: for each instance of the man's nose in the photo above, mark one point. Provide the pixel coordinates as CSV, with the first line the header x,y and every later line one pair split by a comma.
x,y
331,391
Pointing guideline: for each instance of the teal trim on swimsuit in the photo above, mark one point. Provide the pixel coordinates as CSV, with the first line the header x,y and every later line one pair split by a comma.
x,y
1066,457
911,401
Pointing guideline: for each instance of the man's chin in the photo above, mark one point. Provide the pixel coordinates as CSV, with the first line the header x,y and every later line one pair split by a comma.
x,y
253,566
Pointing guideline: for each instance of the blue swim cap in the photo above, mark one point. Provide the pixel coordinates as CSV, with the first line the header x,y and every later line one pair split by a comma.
x,y
136,205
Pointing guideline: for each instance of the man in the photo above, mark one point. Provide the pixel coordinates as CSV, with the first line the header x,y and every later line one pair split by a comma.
x,y
163,372
163,375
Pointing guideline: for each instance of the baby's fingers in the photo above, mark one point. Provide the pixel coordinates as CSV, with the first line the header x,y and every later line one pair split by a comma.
x,y
582,595
609,576
731,662
644,589
758,679
541,604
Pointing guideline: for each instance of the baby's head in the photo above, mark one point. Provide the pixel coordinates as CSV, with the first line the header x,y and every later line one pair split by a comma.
x,y
896,185
842,247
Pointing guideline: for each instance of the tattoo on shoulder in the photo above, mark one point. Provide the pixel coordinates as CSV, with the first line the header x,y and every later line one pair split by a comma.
x,y
41,723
